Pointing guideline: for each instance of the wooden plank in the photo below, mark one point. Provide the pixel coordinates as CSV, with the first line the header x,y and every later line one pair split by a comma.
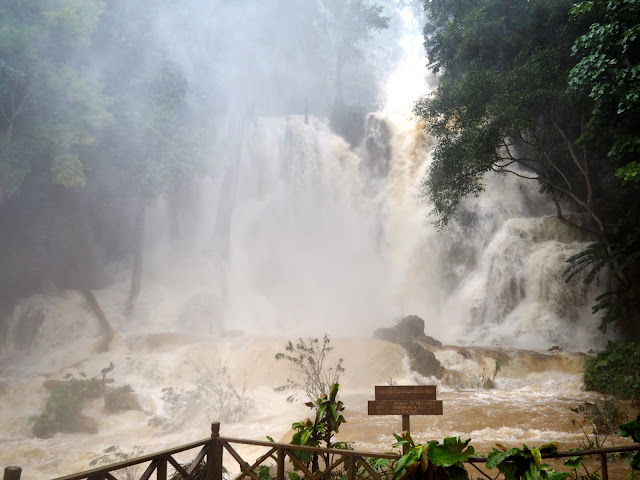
x,y
405,407
351,472
197,460
150,469
257,463
183,473
307,473
244,466
332,467
134,461
161,471
280,473
405,392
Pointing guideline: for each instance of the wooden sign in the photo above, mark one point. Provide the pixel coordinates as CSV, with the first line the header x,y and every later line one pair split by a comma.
x,y
405,400
405,392
405,407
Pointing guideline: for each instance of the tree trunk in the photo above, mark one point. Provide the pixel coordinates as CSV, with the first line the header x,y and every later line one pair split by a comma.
x,y
109,333
136,274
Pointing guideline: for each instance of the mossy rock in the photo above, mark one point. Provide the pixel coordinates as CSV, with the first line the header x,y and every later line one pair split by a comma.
x,y
62,411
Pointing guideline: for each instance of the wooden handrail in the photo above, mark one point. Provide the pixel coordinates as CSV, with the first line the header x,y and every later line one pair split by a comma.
x,y
212,449
305,448
135,461
576,453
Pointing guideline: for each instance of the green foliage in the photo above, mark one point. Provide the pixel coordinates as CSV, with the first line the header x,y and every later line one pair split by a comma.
x,y
616,370
319,432
525,463
608,74
504,71
632,429
50,104
433,460
504,104
382,466
629,172
64,404
308,358
264,473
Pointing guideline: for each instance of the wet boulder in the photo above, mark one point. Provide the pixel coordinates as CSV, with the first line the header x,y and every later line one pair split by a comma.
x,y
423,361
407,330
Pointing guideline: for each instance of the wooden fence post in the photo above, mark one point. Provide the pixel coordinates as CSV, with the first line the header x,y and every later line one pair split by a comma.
x,y
603,462
161,472
12,473
214,456
280,472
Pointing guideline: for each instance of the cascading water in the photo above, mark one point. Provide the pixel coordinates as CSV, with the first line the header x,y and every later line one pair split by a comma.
x,y
302,235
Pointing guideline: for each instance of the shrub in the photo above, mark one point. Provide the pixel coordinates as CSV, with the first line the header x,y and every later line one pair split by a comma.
x,y
62,411
308,357
616,370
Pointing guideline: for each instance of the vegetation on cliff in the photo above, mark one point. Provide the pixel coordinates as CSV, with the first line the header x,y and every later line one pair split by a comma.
x,y
545,90
616,371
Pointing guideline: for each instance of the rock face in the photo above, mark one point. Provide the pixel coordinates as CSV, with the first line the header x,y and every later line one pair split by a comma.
x,y
406,331
423,361
409,332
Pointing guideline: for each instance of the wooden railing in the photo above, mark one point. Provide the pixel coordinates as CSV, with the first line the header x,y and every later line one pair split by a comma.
x,y
208,461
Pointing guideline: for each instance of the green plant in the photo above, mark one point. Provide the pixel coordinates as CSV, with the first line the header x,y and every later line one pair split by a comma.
x,y
575,463
263,472
603,416
114,454
615,370
433,460
382,466
320,431
525,463
308,358
63,407
486,382
632,429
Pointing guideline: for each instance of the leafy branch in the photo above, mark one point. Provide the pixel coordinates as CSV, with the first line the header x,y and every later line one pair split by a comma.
x,y
308,358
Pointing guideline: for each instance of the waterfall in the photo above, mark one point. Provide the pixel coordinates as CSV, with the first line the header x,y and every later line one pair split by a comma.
x,y
296,234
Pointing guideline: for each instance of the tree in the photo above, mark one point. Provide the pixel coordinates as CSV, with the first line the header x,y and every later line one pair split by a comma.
x,y
156,136
608,74
350,25
51,105
502,105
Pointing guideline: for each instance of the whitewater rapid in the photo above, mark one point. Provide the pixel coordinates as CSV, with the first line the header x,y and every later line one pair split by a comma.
x,y
530,404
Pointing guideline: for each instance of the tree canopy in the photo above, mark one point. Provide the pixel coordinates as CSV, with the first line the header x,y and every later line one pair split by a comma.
x,y
511,99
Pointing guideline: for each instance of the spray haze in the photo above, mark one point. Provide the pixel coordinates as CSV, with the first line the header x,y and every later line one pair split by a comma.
x,y
264,156
270,149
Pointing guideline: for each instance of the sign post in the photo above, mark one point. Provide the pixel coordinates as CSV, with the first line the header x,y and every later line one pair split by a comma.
x,y
405,400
